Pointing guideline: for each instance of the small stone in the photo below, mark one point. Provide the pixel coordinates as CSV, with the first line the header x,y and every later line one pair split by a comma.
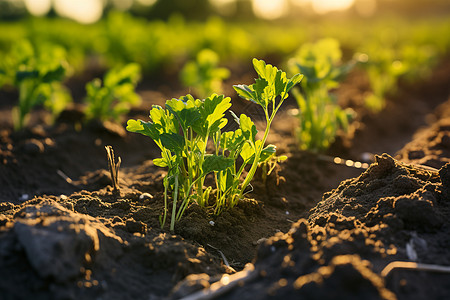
x,y
145,196
212,223
24,197
261,240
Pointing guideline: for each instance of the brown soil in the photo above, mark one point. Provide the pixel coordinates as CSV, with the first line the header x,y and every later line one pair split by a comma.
x,y
65,234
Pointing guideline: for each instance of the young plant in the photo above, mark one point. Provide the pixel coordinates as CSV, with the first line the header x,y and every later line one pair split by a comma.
x,y
387,64
183,129
383,69
110,99
37,73
319,114
203,75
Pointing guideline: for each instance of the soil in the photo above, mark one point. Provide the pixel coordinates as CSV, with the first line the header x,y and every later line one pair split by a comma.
x,y
313,229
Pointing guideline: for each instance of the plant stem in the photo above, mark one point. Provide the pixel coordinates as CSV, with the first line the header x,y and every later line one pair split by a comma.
x,y
258,151
174,207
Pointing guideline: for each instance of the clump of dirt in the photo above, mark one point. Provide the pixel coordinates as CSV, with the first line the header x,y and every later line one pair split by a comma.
x,y
391,212
57,252
431,145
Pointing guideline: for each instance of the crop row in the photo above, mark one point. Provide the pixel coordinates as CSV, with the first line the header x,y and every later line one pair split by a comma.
x,y
38,64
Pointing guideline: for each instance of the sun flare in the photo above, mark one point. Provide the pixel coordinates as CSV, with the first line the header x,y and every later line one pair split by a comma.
x,y
269,9
83,11
324,6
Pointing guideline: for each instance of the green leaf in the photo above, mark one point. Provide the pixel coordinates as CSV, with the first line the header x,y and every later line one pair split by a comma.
x,y
280,82
247,153
216,163
127,74
134,125
160,162
172,141
164,120
294,81
22,75
232,140
260,67
145,128
186,112
267,152
54,75
248,127
215,107
245,92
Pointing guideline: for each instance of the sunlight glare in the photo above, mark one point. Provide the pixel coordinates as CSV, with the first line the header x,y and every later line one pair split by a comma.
x,y
83,11
38,7
325,6
269,9
366,8
146,2
224,7
123,4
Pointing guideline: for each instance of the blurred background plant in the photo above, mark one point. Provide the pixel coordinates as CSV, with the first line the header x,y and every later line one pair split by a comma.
x,y
319,114
162,36
37,74
203,74
113,98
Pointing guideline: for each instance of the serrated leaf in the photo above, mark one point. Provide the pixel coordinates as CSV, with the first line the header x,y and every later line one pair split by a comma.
x,y
248,127
245,92
164,120
280,82
260,67
232,140
214,108
134,125
247,153
267,153
186,113
297,78
145,128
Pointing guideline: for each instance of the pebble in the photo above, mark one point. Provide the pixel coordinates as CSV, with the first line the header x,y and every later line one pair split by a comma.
x,y
24,197
145,196
212,223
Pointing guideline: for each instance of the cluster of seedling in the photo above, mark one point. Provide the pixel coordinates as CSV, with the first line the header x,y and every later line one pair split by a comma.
x,y
319,115
186,126
38,73
387,65
191,132
203,74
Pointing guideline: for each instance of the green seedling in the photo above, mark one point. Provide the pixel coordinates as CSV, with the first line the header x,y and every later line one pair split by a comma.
x,y
112,98
37,74
386,65
203,75
383,69
320,116
185,127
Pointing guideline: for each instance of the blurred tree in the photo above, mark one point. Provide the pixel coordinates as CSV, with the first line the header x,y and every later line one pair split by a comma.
x,y
193,9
